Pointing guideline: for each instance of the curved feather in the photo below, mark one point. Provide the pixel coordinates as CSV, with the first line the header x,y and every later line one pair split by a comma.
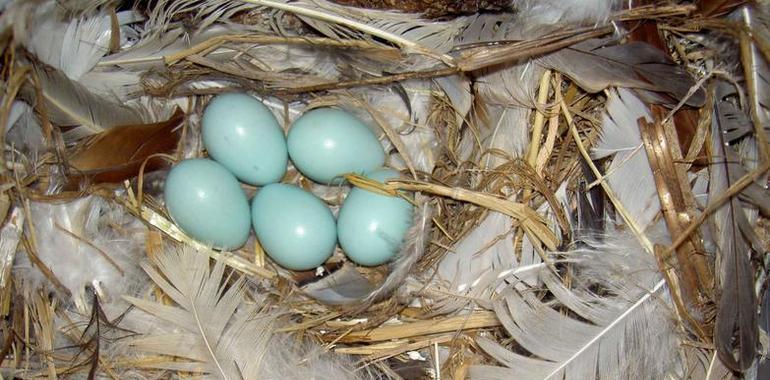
x,y
597,64
69,103
628,319
629,175
212,329
736,320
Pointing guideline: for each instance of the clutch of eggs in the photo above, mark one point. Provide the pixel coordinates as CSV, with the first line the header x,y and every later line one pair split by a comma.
x,y
296,229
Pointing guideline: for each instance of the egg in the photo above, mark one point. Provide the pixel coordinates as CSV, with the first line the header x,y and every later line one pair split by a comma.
x,y
371,227
206,201
243,135
326,143
294,227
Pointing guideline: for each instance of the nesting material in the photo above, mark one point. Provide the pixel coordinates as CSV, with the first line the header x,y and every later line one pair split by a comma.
x,y
586,185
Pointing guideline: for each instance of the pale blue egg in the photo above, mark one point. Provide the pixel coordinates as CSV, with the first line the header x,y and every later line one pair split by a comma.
x,y
326,143
207,202
294,227
371,227
243,135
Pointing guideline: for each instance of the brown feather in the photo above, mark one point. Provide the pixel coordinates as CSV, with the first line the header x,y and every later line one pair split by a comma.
x,y
118,153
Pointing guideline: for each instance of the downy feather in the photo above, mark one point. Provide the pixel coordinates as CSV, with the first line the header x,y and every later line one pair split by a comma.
x,y
86,243
213,330
629,175
629,319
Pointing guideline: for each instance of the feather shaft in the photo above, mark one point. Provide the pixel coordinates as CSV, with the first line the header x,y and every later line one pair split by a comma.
x,y
609,327
748,62
330,17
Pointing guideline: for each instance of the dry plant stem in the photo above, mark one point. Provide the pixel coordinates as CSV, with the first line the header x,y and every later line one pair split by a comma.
x,y
43,310
673,285
390,37
529,218
481,58
218,41
713,205
534,145
402,347
649,12
630,222
12,88
691,266
747,61
468,61
553,129
450,324
445,72
537,126
701,132
308,324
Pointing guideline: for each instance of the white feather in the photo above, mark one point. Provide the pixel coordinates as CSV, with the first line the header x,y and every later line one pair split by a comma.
x,y
73,240
417,135
212,328
74,46
629,175
404,29
69,103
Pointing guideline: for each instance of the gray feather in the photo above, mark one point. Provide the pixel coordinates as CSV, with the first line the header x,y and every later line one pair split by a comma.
x,y
629,319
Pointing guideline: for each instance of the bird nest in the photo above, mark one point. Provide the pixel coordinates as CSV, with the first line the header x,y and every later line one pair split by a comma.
x,y
589,183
